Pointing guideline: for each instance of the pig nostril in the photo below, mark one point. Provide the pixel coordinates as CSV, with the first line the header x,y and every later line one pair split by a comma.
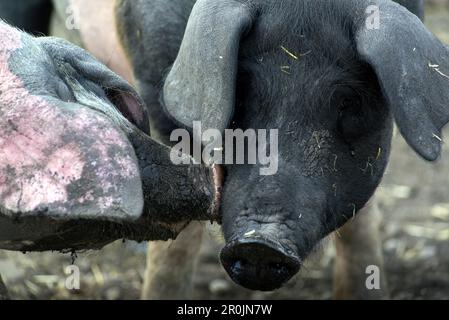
x,y
278,268
238,266
259,265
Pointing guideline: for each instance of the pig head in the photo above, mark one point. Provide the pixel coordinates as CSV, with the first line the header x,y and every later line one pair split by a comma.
x,y
331,82
77,168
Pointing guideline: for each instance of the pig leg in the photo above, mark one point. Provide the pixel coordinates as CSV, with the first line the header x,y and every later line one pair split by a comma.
x,y
170,265
3,291
358,247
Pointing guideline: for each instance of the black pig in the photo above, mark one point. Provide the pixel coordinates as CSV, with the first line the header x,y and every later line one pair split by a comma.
x,y
316,71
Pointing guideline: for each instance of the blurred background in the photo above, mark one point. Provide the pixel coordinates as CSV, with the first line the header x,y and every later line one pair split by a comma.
x,y
414,200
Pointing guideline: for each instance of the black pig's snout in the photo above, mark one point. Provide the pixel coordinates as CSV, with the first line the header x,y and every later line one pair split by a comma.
x,y
258,264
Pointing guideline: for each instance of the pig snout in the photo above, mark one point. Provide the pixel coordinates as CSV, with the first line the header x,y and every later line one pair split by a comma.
x,y
258,263
269,226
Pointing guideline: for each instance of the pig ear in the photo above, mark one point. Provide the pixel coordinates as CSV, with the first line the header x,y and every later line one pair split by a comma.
x,y
120,92
201,84
412,67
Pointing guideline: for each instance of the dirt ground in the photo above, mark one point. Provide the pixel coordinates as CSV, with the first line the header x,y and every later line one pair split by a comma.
x,y
414,199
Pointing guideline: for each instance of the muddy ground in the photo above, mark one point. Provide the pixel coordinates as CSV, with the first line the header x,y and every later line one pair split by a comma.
x,y
414,199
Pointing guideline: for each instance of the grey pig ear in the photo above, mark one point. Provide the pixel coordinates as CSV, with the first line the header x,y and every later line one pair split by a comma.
x,y
412,67
119,92
201,84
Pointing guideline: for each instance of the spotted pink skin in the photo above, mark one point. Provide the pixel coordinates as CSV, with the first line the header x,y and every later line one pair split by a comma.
x,y
60,161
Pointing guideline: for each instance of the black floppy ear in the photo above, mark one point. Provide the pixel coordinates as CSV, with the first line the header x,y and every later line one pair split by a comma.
x,y
413,70
201,84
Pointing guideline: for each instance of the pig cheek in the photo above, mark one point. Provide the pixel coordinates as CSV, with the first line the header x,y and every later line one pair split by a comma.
x,y
108,160
43,174
44,185
357,181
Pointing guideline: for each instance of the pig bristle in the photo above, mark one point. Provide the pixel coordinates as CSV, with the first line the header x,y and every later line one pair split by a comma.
x,y
292,55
